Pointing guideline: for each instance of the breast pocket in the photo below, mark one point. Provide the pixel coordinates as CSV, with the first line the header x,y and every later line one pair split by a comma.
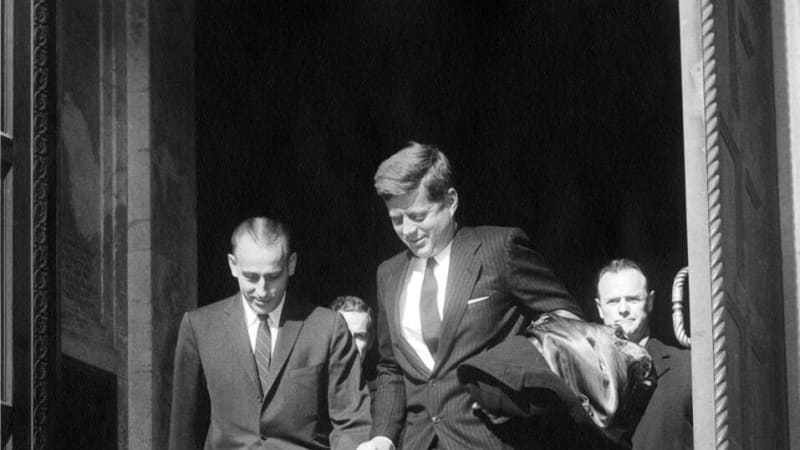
x,y
484,313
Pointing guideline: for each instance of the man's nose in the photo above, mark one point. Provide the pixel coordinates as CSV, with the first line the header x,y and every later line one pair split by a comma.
x,y
408,227
261,287
624,308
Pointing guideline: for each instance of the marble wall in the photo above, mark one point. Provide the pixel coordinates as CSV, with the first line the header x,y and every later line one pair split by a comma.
x,y
126,245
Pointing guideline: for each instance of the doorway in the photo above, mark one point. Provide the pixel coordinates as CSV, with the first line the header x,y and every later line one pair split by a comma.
x,y
562,118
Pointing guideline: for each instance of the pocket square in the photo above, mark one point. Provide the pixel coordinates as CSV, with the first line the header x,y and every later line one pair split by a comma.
x,y
477,300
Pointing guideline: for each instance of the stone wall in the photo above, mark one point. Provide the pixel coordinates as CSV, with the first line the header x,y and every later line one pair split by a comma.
x,y
126,244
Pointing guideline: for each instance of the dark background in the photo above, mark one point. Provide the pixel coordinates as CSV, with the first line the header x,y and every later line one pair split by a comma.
x,y
560,117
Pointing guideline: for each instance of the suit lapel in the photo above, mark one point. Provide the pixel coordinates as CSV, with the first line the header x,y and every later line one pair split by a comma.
x,y
291,322
464,270
396,291
236,328
660,355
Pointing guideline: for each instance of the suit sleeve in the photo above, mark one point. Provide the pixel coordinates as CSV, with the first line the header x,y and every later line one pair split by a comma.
x,y
389,406
531,282
190,414
348,398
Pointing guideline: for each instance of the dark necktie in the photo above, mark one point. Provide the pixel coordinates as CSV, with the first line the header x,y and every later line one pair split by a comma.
x,y
429,310
263,352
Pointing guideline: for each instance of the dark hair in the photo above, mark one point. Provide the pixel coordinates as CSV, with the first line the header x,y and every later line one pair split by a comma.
x,y
416,164
262,230
350,303
618,265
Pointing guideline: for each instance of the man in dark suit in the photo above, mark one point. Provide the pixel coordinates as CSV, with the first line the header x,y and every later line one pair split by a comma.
x,y
623,301
263,369
361,322
456,292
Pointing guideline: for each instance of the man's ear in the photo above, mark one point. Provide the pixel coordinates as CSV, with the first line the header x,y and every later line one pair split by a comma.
x,y
292,263
650,298
232,264
599,309
452,200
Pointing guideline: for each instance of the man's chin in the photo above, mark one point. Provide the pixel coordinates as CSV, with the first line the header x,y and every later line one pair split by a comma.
x,y
421,252
418,249
260,307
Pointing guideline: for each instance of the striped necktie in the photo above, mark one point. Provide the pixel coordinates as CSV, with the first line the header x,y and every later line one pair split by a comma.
x,y
429,309
263,351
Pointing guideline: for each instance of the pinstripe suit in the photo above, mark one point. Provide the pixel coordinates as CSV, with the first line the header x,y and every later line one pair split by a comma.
x,y
492,262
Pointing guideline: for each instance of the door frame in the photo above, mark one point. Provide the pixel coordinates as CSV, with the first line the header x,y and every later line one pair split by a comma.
x,y
34,307
704,224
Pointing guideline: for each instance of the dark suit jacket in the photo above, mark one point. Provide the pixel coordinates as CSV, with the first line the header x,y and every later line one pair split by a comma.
x,y
566,384
492,262
667,421
315,396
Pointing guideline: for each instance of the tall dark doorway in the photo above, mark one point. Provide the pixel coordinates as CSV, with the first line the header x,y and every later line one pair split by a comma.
x,y
561,117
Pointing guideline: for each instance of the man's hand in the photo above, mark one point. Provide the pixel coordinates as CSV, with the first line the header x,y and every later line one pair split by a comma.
x,y
565,314
377,443
495,419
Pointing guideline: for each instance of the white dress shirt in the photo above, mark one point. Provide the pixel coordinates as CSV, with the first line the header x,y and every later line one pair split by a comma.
x,y
252,321
411,322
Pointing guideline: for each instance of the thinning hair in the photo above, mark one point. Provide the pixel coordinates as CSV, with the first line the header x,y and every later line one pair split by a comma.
x,y
616,266
416,164
263,231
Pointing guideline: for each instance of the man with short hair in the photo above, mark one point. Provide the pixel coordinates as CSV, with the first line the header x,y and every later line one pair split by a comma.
x,y
358,315
454,293
624,301
263,368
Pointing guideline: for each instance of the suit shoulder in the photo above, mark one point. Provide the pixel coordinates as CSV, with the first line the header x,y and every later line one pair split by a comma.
x,y
211,309
318,315
489,233
488,230
678,356
659,345
320,312
392,262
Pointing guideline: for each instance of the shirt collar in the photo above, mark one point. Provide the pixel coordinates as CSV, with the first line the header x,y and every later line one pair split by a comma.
x,y
443,257
251,318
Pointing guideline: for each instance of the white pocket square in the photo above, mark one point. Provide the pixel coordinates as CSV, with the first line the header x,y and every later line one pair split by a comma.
x,y
477,300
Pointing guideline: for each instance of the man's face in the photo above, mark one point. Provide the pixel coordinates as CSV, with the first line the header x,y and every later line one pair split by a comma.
x,y
625,303
425,227
263,271
358,324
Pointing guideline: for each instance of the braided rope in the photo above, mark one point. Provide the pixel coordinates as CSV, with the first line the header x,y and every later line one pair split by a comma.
x,y
715,229
677,308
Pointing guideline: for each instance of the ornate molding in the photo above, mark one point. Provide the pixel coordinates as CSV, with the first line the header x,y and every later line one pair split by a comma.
x,y
43,314
712,147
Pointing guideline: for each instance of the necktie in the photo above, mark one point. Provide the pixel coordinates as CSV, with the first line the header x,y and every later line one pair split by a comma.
x,y
429,310
263,352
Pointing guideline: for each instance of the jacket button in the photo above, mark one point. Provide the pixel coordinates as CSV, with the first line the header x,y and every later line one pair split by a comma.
x,y
436,419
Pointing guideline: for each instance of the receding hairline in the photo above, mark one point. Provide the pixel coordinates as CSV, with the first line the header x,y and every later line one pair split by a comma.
x,y
262,231
619,265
